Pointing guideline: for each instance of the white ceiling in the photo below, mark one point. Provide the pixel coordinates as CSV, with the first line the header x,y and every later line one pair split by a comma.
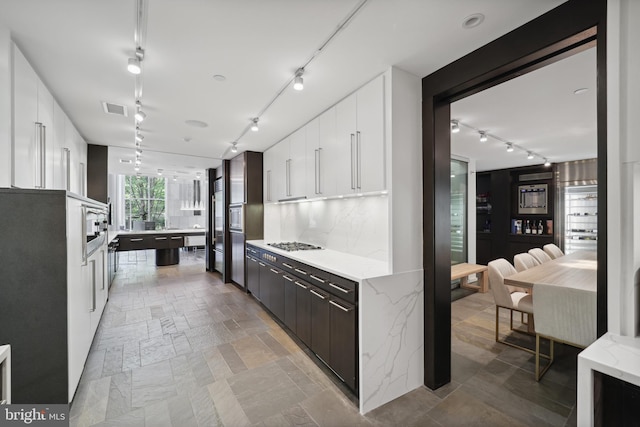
x,y
80,49
538,112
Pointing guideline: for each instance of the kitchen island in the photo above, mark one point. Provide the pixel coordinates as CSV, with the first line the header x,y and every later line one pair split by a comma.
x,y
385,311
166,242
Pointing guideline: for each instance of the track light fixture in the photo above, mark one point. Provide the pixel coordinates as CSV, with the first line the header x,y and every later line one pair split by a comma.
x,y
254,125
139,115
160,172
138,160
175,178
529,155
234,147
455,126
547,162
483,136
298,82
136,168
138,152
509,147
139,137
133,64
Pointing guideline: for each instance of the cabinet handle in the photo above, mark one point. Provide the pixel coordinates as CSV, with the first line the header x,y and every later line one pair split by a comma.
x,y
345,309
287,265
67,157
317,278
317,294
262,265
358,160
340,288
93,285
161,238
136,240
274,271
268,185
301,285
353,184
287,278
83,210
300,271
175,237
288,177
253,260
103,264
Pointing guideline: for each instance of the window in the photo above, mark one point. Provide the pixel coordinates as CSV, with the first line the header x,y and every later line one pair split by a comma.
x,y
144,202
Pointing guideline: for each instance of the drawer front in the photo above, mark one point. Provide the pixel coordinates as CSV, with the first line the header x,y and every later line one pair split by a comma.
x,y
175,241
133,243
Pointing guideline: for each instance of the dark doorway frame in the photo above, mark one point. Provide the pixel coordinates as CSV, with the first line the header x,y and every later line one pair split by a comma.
x,y
572,26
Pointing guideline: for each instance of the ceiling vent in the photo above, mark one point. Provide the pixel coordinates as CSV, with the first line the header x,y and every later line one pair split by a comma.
x,y
109,108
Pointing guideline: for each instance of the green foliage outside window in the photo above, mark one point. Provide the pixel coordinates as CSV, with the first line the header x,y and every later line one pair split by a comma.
x,y
145,200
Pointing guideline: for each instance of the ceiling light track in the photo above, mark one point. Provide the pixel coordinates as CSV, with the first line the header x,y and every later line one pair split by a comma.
x,y
456,125
300,70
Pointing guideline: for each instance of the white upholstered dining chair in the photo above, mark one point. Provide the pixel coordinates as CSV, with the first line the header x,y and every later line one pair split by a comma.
x,y
505,298
565,314
540,255
553,251
524,261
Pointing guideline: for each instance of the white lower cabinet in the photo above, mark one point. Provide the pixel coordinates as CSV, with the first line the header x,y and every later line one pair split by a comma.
x,y
87,292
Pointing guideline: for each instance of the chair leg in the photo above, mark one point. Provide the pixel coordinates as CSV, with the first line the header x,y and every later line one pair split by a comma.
x,y
497,317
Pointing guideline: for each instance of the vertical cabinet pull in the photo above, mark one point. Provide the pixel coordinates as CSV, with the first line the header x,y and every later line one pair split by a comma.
x,y
269,185
67,164
358,160
288,177
317,176
353,181
40,137
93,285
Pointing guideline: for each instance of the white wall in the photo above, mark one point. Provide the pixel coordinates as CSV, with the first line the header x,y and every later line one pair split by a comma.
x,y
623,166
5,107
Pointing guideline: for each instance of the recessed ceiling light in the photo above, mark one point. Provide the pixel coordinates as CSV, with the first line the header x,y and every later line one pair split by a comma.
x,y
196,123
472,21
581,91
219,77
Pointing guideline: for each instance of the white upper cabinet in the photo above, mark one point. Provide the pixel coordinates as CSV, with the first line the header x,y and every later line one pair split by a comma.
x,y
361,140
25,116
48,152
340,152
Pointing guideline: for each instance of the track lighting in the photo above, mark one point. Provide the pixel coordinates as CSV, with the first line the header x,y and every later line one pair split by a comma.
x,y
234,147
140,115
160,172
529,155
138,152
136,168
134,66
298,82
483,136
509,147
138,160
134,63
139,137
455,126
175,178
547,162
254,125
198,175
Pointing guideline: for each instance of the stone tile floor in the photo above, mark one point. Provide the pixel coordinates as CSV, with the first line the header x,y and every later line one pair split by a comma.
x,y
177,347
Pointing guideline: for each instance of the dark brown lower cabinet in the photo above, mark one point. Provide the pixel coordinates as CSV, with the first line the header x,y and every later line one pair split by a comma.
x,y
265,287
275,285
303,312
290,303
343,340
237,259
253,276
320,320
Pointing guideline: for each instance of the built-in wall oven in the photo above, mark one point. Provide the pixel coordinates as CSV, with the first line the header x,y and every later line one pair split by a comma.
x,y
95,225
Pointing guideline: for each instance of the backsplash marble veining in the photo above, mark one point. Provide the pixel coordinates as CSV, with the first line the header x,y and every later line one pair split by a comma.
x,y
358,226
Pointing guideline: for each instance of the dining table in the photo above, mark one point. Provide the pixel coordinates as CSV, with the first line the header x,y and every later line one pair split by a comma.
x,y
577,270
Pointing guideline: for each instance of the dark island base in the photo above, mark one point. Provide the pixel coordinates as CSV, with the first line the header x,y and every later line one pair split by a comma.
x,y
170,256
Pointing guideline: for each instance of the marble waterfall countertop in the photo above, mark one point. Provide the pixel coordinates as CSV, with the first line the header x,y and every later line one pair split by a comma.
x,y
349,266
112,234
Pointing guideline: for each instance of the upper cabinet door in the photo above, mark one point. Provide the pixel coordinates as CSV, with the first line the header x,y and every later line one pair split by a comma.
x,y
236,178
345,160
312,164
370,138
56,145
45,118
330,150
297,184
25,117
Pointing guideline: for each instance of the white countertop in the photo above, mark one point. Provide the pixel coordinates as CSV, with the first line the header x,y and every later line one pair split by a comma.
x,y
349,266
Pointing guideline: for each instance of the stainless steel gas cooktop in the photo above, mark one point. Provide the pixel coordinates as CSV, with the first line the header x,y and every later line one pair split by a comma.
x,y
293,246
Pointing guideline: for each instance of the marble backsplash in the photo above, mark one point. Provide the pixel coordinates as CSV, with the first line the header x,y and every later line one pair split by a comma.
x,y
357,225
